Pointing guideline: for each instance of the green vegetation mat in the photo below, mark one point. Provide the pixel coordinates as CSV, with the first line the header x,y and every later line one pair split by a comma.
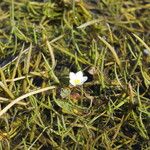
x,y
41,42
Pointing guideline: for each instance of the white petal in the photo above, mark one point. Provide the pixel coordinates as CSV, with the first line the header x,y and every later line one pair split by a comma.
x,y
80,83
72,75
84,79
72,82
79,75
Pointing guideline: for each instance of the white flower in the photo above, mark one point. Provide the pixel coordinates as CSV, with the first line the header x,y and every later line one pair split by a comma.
x,y
77,78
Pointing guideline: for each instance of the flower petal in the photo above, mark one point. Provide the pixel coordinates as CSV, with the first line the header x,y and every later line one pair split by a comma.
x,y
84,79
80,83
79,75
72,82
72,75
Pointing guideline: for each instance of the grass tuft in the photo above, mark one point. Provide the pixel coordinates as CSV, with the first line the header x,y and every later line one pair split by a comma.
x,y
41,42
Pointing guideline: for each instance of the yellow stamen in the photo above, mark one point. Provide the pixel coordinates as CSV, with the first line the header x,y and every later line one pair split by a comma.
x,y
77,81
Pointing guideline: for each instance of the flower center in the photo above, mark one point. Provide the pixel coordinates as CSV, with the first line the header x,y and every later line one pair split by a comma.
x,y
77,81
